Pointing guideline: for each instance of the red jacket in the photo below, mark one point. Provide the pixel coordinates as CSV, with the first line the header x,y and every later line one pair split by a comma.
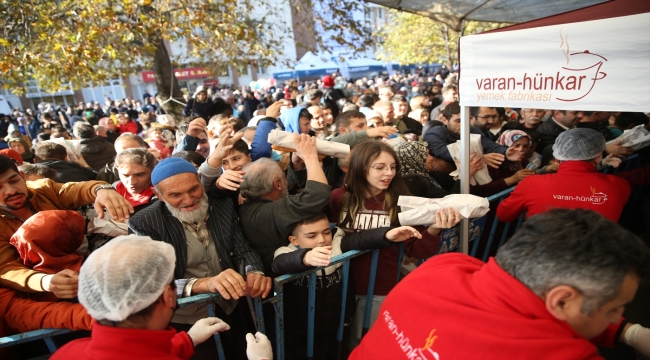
x,y
18,315
576,184
457,307
131,127
124,343
372,217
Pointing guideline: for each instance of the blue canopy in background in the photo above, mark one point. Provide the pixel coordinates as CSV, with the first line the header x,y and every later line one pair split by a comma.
x,y
312,65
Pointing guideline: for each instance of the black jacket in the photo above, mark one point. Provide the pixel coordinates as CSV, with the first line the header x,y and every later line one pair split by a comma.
x,y
67,171
97,152
328,296
157,222
203,109
548,132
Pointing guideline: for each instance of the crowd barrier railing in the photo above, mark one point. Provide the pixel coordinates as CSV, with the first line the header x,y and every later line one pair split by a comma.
x,y
481,243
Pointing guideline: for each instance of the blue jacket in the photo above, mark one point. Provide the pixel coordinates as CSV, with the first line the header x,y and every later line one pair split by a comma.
x,y
438,137
289,121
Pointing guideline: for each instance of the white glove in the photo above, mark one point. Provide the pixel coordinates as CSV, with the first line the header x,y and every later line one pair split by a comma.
x,y
204,328
259,347
638,337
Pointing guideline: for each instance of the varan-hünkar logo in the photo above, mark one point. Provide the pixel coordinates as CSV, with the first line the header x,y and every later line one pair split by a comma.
x,y
573,82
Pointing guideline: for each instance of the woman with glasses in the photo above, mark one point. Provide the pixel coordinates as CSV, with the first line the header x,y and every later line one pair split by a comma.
x,y
368,200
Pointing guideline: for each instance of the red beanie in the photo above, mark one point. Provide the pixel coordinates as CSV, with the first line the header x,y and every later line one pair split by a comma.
x,y
328,81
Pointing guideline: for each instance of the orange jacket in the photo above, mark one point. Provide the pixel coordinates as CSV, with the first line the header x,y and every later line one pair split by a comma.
x,y
43,195
18,315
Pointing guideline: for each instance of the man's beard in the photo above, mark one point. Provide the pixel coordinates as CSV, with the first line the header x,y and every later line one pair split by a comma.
x,y
14,207
192,217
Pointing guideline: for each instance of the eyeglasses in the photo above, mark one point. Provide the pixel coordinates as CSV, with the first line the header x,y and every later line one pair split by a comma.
x,y
493,117
393,168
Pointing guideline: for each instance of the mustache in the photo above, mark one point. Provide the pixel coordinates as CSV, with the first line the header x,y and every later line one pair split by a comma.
x,y
8,198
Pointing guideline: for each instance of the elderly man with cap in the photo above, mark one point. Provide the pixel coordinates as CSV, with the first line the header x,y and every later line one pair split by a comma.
x,y
128,287
576,184
209,247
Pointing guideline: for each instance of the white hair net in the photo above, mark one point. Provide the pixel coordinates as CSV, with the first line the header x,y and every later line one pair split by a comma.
x,y
578,144
125,276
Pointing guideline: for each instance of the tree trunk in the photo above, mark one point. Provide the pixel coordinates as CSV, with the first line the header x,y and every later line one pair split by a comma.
x,y
166,80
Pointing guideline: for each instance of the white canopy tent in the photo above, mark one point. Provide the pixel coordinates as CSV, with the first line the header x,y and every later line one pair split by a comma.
x,y
596,58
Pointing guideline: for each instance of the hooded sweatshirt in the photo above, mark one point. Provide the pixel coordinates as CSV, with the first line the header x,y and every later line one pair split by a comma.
x,y
288,121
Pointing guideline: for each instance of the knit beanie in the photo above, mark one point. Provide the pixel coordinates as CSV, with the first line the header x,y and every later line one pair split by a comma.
x,y
170,167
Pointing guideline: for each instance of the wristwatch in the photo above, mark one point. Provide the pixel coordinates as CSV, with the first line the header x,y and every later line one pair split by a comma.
x,y
101,187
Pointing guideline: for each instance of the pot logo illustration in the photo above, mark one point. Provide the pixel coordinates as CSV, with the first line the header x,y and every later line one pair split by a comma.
x,y
581,66
597,198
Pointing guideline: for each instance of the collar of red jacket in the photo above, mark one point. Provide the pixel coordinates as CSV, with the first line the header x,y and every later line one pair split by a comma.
x,y
576,166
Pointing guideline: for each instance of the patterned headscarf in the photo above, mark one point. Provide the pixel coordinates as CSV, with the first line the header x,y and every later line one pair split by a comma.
x,y
413,156
510,136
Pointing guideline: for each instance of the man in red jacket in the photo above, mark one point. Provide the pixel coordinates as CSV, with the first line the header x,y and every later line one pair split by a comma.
x,y
128,287
576,184
554,291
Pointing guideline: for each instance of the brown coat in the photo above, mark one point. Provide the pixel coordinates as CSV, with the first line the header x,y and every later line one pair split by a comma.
x,y
43,195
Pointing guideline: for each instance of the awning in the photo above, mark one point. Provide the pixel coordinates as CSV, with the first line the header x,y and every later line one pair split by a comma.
x,y
453,12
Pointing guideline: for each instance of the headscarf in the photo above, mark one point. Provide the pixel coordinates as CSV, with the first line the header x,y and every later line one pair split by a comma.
x,y
510,136
415,114
28,155
55,249
413,157
507,139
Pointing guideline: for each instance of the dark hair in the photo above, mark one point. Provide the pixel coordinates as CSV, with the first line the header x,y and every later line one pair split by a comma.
x,y
304,113
6,164
191,156
451,109
474,110
356,181
344,119
43,136
311,220
626,119
574,248
50,151
241,146
366,100
38,169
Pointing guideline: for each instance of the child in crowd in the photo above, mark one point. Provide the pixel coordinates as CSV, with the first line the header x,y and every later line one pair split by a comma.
x,y
312,245
156,141
368,200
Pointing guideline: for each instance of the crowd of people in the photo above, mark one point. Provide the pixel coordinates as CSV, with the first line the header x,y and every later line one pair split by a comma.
x,y
109,214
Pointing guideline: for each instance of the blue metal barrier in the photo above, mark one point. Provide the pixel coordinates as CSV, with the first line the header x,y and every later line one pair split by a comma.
x,y
492,229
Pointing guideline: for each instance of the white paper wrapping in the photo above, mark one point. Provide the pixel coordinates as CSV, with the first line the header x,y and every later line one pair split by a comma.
x,y
107,226
482,176
635,139
422,211
324,147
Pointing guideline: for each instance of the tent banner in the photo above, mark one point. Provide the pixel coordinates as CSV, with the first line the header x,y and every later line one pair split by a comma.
x,y
600,65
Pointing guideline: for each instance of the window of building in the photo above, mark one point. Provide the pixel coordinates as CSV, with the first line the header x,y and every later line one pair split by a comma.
x,y
242,69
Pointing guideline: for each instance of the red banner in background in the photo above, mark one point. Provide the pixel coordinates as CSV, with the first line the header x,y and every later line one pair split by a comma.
x,y
181,74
